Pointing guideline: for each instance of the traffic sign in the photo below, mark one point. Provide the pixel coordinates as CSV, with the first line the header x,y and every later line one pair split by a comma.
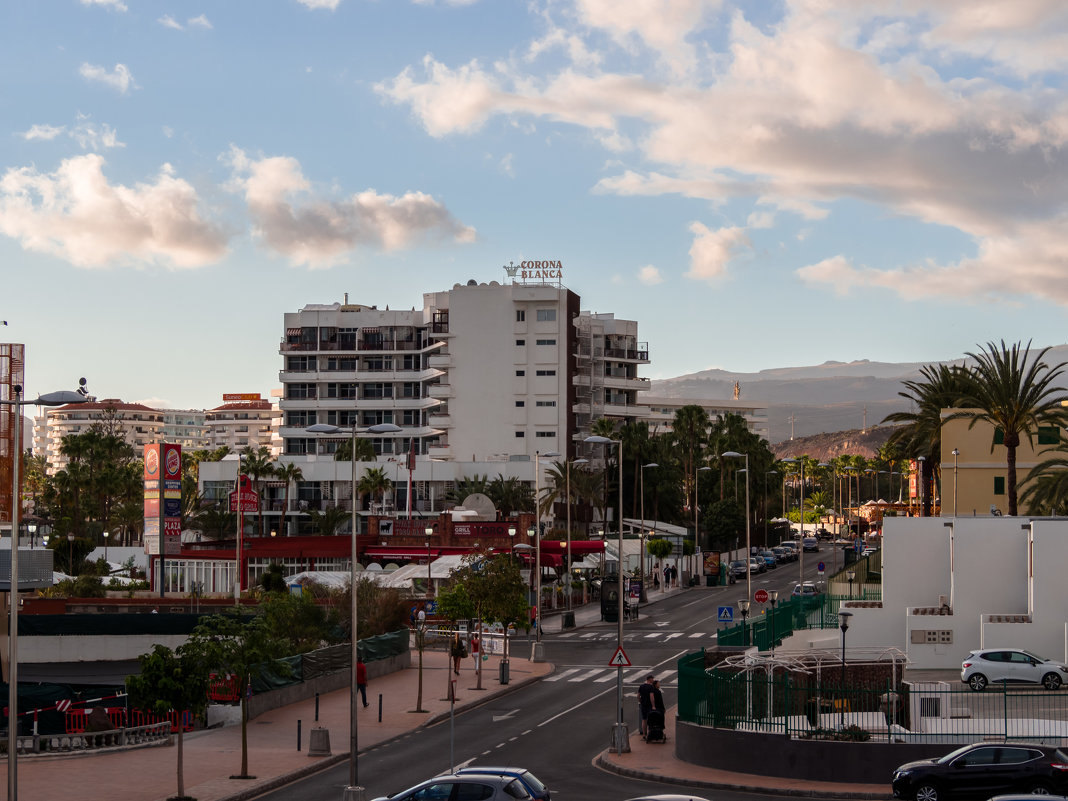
x,y
760,596
821,567
726,614
619,658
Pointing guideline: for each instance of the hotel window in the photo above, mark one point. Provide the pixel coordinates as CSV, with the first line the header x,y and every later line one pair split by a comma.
x,y
1049,435
297,391
546,341
545,434
520,342
521,403
999,485
520,373
546,315
520,434
545,403
545,372
520,316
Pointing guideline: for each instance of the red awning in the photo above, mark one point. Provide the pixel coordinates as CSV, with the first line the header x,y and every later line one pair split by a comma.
x,y
411,551
578,547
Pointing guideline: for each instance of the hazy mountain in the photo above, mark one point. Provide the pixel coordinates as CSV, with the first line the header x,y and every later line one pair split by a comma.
x,y
803,401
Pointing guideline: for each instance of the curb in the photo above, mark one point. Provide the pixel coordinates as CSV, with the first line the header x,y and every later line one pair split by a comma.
x,y
739,785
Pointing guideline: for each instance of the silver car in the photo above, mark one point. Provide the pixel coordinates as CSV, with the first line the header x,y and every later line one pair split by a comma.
x,y
466,787
983,666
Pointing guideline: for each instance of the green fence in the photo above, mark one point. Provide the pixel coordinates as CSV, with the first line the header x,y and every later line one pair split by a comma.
x,y
873,705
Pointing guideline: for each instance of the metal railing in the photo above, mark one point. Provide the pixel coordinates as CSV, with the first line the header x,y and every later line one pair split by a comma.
x,y
88,741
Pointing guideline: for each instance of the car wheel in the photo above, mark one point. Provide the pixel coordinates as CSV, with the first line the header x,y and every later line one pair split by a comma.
x,y
927,792
1038,788
977,681
1051,681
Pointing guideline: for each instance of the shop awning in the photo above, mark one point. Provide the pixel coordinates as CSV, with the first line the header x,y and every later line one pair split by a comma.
x,y
577,547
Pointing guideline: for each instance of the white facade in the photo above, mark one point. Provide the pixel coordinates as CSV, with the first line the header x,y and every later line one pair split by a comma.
x,y
951,585
140,425
662,412
241,424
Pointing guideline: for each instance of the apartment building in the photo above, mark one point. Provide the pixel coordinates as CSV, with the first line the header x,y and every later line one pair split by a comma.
x,y
137,423
243,420
662,412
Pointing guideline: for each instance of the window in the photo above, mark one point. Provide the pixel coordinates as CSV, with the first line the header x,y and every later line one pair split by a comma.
x,y
545,403
545,434
520,404
520,373
341,364
520,342
545,372
469,791
1049,435
341,417
300,391
300,364
520,434
341,390
300,446
546,315
520,316
546,341
378,390
410,417
999,485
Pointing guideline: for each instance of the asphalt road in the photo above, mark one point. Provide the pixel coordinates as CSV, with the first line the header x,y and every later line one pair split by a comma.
x,y
557,726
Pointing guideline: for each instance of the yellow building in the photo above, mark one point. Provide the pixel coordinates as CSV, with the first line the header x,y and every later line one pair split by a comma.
x,y
974,480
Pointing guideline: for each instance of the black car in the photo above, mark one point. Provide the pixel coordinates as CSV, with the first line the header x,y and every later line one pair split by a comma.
x,y
981,770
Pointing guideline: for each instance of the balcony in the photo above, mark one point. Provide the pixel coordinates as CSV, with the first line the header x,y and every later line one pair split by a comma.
x,y
439,391
440,361
440,420
439,451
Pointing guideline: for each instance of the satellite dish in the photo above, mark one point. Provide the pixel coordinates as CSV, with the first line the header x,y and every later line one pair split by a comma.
x,y
482,505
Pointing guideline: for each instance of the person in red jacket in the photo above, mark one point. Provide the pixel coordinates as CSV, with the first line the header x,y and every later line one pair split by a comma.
x,y
361,680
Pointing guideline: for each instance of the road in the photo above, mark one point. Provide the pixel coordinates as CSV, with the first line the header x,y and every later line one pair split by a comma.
x,y
557,726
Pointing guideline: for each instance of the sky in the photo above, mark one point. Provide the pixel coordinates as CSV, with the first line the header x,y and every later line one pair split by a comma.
x,y
760,184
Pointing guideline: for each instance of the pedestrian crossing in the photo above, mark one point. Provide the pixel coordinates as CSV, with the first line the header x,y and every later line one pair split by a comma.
x,y
635,636
601,675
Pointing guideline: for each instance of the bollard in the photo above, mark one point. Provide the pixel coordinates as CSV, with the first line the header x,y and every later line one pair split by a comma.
x,y
319,742
298,734
380,707
317,707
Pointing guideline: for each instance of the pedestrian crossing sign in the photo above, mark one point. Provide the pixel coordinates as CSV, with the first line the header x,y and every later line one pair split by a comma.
x,y
619,658
726,614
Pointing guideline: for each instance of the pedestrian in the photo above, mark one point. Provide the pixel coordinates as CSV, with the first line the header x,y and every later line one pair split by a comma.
x,y
474,648
645,700
458,651
658,697
361,680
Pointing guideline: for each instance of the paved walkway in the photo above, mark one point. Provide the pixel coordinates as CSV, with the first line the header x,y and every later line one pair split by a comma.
x,y
211,757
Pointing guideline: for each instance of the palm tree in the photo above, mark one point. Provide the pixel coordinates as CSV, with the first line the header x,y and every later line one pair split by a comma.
x,y
942,387
1017,395
476,485
510,494
290,474
689,430
329,519
374,482
1047,488
605,427
258,464
365,451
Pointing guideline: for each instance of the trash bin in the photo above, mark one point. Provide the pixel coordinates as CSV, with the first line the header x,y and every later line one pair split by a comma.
x,y
710,579
503,677
568,620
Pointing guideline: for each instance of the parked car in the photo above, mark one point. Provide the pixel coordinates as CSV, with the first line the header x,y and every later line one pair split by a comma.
x,y
757,565
809,544
983,666
805,590
784,554
472,785
981,770
790,545
534,785
737,569
770,560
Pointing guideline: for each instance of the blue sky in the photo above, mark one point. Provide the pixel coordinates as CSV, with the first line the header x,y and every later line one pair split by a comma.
x,y
758,184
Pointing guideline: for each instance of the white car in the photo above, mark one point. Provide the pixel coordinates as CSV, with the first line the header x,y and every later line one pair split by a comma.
x,y
483,786
981,667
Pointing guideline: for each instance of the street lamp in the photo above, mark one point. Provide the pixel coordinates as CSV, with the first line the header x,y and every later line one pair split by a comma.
x,y
956,453
620,738
769,473
743,607
641,538
748,546
801,514
923,485
569,463
843,624
696,508
353,792
537,656
851,575
61,398
108,534
429,581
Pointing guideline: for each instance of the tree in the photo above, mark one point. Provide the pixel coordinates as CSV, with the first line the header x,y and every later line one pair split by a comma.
x,y
689,430
365,451
510,494
329,519
475,485
229,645
1046,490
942,387
726,525
288,473
214,522
604,427
659,549
170,681
1017,395
374,482
258,464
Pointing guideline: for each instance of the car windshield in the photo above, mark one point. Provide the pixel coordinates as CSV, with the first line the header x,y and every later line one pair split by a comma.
x,y
532,781
953,754
516,789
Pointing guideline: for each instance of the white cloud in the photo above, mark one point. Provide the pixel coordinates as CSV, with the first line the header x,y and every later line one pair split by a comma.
x,y
119,77
712,251
167,21
75,214
46,132
116,5
650,275
662,25
330,5
201,21
319,232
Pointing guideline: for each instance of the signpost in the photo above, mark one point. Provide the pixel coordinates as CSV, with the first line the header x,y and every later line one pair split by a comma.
x,y
760,596
619,658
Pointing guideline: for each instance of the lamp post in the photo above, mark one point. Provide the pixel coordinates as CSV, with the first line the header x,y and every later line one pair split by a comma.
x,y
956,453
696,508
769,473
851,575
641,491
843,624
354,792
32,529
620,738
923,484
773,598
748,545
108,534
61,398
800,460
743,608
537,656
430,581
569,463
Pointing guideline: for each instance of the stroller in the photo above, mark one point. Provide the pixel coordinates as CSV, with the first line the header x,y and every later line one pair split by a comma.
x,y
654,727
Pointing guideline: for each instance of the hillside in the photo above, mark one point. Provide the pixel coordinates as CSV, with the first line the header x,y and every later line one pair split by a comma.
x,y
856,442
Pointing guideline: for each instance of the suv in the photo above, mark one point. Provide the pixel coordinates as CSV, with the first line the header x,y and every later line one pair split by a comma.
x,y
810,544
805,590
1011,665
454,787
737,569
537,790
981,770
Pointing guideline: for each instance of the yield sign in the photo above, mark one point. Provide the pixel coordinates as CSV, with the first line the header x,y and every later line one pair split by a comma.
x,y
619,658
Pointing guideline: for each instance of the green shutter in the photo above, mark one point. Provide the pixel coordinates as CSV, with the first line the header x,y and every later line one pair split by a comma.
x,y
999,485
1049,435
999,436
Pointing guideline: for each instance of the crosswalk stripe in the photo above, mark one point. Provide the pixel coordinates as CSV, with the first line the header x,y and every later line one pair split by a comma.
x,y
673,635
559,676
697,634
589,674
